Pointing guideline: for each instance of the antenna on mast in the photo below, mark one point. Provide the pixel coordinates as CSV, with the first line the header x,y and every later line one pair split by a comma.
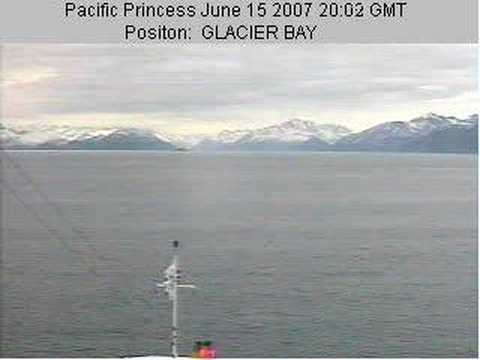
x,y
171,284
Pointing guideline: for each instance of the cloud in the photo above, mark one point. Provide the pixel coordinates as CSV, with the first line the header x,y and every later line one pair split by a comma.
x,y
202,86
28,76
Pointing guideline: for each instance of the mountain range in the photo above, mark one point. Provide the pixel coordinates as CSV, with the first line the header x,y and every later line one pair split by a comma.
x,y
428,133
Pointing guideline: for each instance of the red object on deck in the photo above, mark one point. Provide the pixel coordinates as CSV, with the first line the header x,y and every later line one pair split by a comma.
x,y
207,353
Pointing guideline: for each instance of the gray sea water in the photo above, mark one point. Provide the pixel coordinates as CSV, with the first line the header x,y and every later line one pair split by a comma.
x,y
294,254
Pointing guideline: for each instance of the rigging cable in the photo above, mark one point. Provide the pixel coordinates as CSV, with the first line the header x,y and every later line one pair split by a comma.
x,y
54,233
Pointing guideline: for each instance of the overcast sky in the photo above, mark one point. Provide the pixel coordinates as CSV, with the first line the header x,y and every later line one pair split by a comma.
x,y
203,89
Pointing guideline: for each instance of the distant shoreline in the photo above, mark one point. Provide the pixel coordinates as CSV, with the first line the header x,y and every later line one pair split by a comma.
x,y
297,152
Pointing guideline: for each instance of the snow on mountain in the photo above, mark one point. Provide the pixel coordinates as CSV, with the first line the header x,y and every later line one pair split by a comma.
x,y
8,138
121,139
393,134
471,121
295,131
458,138
428,123
79,137
401,135
230,136
184,141
37,135
432,122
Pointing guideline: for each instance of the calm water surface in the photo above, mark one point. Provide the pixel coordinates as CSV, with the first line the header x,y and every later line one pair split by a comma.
x,y
295,255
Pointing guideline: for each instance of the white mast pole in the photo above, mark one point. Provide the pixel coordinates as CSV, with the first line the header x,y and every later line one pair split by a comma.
x,y
171,285
174,301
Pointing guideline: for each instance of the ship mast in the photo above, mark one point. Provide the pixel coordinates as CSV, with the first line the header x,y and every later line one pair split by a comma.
x,y
171,285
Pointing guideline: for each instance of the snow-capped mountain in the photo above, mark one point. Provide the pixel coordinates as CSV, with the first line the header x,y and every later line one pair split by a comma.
x,y
288,134
229,136
297,130
122,139
62,137
453,139
396,135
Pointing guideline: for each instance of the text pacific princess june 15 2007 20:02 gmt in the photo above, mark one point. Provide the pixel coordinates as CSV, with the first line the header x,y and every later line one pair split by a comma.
x,y
207,32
